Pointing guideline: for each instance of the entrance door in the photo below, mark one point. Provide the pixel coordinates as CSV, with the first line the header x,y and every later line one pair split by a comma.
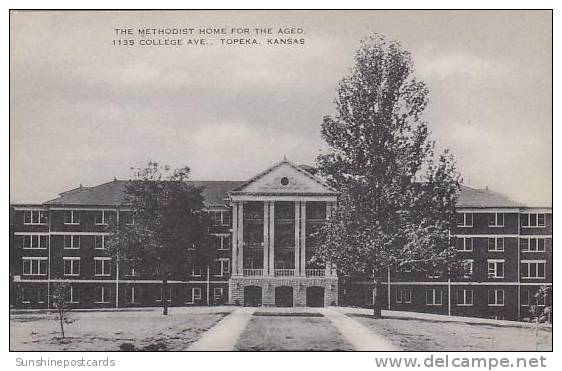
x,y
252,296
284,296
315,296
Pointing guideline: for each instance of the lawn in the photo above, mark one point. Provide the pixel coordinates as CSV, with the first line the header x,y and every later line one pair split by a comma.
x,y
146,329
290,330
419,332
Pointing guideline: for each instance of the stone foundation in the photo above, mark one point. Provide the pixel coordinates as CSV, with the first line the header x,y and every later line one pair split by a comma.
x,y
299,285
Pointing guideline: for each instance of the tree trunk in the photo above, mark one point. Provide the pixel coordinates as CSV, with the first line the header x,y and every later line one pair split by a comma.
x,y
377,313
61,320
165,297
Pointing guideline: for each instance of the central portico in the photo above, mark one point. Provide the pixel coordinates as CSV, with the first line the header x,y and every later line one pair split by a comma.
x,y
274,218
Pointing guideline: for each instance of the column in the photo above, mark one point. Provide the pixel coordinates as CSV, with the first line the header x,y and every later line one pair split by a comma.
x,y
303,238
234,238
271,238
241,238
297,238
265,238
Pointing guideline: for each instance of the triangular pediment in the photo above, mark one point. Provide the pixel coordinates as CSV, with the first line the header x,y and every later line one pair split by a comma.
x,y
285,178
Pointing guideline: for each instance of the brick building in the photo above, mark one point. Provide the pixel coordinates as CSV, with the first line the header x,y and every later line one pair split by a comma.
x,y
262,232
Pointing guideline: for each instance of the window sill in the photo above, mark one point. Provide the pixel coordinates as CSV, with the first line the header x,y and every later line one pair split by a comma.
x,y
34,223
465,305
102,275
72,275
34,248
495,305
434,305
71,223
533,278
102,224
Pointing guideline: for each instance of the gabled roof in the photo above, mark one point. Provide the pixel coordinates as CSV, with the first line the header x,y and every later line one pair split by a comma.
x,y
300,169
113,193
216,193
481,198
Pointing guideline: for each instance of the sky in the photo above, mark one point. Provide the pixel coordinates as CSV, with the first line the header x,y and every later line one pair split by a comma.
x,y
83,111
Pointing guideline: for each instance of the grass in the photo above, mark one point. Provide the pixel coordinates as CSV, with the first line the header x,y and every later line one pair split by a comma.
x,y
108,331
413,333
290,332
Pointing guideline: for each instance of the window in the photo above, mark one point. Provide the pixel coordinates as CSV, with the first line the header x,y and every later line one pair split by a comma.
x,y
127,217
433,297
495,297
133,295
465,297
169,298
369,296
224,243
464,243
404,296
495,243
222,267
468,268
26,295
195,270
532,244
73,295
404,267
71,217
35,241
533,220
218,293
71,266
496,268
495,220
34,217
30,294
464,219
434,274
226,218
529,297
193,295
99,242
71,241
41,295
101,218
34,266
103,295
216,217
533,268
102,266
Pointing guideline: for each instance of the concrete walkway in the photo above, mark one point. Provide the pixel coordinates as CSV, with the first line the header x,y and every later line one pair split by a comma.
x,y
223,336
359,336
